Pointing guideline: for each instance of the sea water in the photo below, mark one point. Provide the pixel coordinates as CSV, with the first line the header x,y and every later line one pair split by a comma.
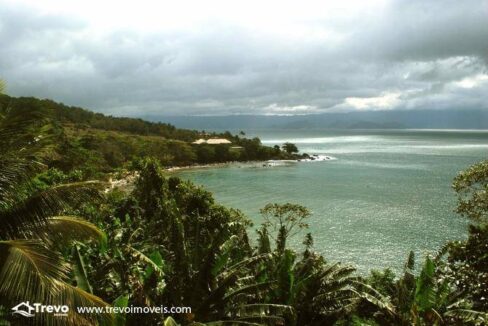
x,y
383,193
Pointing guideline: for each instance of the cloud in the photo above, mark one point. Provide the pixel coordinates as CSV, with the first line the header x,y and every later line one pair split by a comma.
x,y
385,101
252,58
275,109
472,82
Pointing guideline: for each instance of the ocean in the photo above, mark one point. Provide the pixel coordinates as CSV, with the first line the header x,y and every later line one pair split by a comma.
x,y
383,193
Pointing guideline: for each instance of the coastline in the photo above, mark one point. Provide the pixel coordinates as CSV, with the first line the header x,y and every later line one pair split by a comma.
x,y
207,166
127,181
267,163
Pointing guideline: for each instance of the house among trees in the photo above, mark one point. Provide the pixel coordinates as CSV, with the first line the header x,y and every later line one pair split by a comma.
x,y
212,141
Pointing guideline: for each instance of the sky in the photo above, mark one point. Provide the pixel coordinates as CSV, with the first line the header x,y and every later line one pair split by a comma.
x,y
164,58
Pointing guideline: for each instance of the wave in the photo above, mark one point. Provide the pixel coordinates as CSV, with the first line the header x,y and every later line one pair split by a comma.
x,y
387,165
318,158
313,158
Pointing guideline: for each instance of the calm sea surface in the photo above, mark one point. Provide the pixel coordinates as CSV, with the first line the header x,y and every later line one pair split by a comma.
x,y
384,194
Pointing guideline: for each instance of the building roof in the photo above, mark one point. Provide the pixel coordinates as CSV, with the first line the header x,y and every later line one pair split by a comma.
x,y
212,141
217,141
200,141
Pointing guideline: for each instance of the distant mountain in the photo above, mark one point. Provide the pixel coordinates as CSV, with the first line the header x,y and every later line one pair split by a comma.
x,y
393,119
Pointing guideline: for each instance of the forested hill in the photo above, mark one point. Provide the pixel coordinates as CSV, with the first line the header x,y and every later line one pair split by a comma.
x,y
94,143
79,116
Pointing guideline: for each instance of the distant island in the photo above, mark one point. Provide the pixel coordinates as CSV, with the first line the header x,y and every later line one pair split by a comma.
x,y
464,118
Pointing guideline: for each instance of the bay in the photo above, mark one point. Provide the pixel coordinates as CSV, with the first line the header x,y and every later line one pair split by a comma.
x,y
383,193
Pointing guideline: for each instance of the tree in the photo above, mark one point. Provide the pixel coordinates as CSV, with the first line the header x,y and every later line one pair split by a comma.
x,y
319,292
276,149
472,189
290,148
426,299
468,260
34,227
205,153
170,244
468,266
285,220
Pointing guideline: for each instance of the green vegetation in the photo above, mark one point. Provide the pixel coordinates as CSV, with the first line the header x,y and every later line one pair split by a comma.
x,y
96,144
290,148
34,228
167,242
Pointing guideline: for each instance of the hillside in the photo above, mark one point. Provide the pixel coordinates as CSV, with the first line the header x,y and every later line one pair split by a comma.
x,y
95,143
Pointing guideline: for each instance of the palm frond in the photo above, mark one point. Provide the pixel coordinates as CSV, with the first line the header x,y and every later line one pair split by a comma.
x,y
245,289
263,309
237,267
229,275
22,219
75,297
65,229
468,315
23,128
15,171
228,278
374,297
29,270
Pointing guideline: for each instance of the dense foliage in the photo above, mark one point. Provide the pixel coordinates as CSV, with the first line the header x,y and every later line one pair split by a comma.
x,y
165,241
35,225
96,144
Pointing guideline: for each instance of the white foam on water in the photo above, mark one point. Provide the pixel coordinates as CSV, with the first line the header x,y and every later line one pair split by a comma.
x,y
454,146
396,149
319,158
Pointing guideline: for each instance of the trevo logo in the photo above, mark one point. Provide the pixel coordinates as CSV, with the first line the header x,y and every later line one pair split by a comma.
x,y
27,310
24,309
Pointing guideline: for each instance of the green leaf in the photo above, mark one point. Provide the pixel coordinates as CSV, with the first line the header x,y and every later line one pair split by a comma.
x,y
425,287
80,271
157,260
122,302
170,322
223,258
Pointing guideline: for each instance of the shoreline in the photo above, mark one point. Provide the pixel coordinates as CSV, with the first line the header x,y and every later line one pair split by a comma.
x,y
267,163
207,166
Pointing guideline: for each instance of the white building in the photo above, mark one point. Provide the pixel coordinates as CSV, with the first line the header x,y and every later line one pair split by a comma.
x,y
212,141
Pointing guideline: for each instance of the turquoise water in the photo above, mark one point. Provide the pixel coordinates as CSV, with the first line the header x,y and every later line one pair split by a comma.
x,y
384,194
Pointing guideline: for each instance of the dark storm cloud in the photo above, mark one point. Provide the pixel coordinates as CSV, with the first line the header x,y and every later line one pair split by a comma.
x,y
424,30
411,54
